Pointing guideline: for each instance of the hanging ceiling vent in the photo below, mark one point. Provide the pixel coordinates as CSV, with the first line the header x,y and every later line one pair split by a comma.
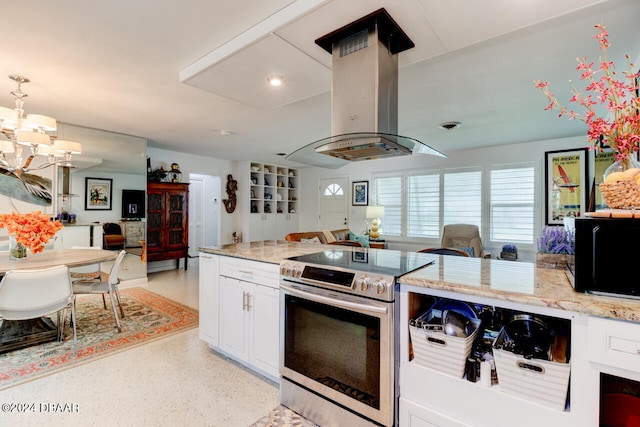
x,y
364,95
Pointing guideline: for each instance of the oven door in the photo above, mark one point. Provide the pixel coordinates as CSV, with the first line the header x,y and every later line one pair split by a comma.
x,y
340,347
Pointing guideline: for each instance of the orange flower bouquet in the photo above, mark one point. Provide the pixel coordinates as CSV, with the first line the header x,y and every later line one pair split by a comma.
x,y
32,230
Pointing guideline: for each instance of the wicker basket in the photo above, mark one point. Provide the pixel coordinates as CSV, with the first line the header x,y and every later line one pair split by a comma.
x,y
621,194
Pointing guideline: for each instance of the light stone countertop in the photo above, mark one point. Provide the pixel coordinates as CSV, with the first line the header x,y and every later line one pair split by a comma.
x,y
513,281
271,251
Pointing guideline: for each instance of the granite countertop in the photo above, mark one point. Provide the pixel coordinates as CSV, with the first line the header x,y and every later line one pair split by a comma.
x,y
271,251
517,282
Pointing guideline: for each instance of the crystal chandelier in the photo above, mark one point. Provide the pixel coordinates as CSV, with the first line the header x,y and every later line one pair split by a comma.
x,y
31,136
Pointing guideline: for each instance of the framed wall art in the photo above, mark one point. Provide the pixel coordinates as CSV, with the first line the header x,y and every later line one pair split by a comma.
x,y
566,185
98,194
360,193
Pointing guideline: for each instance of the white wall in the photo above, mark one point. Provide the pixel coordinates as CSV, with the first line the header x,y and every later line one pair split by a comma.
x,y
484,157
120,182
191,164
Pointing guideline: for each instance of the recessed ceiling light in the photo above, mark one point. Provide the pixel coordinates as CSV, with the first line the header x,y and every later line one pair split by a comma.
x,y
225,132
275,80
449,125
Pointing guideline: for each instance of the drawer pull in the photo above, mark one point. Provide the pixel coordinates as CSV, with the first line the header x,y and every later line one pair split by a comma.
x,y
246,271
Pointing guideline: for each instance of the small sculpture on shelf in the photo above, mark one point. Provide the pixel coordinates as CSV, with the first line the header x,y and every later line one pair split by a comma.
x,y
267,208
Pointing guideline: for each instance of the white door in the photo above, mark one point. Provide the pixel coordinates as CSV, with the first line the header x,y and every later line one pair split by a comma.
x,y
204,211
333,202
196,189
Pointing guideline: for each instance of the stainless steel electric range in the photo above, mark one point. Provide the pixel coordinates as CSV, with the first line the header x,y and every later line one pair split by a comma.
x,y
338,362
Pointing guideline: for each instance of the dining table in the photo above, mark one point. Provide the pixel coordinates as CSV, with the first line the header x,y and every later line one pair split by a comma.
x,y
17,334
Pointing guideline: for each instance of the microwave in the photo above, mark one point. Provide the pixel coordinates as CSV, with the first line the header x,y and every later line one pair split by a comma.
x,y
606,253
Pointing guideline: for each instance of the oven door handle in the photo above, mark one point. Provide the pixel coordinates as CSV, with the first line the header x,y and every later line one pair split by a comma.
x,y
335,302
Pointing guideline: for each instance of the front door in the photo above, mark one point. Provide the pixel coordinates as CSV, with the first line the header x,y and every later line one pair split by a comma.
x,y
333,203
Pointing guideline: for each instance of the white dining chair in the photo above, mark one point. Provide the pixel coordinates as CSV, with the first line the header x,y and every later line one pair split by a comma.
x,y
30,294
109,286
94,270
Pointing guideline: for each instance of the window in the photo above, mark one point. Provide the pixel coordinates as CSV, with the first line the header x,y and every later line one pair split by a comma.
x,y
512,204
423,210
333,190
463,198
388,192
417,205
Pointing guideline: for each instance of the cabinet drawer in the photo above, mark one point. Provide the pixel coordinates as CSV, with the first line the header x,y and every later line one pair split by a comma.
x,y
250,271
615,343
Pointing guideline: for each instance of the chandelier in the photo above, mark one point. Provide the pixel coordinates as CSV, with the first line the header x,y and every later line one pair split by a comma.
x,y
31,136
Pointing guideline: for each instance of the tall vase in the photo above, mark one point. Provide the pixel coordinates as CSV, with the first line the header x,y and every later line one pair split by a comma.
x,y
623,164
16,250
621,187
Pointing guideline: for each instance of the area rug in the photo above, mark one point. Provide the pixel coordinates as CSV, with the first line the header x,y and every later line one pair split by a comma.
x,y
281,416
148,316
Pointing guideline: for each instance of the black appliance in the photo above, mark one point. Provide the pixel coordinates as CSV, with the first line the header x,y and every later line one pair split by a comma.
x,y
606,252
133,204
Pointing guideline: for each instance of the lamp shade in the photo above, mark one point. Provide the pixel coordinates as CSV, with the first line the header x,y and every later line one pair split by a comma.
x,y
27,137
7,147
374,212
40,122
8,118
70,147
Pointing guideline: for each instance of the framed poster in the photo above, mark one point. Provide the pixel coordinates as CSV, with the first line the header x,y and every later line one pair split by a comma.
x,y
98,194
601,162
360,193
566,185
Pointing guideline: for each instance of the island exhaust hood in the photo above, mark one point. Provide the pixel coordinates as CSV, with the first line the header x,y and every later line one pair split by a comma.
x,y
364,96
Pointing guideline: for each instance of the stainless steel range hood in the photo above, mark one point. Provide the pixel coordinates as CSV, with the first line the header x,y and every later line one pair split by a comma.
x,y
364,96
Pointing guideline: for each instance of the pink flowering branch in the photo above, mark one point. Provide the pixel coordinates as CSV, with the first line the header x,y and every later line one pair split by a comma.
x,y
621,129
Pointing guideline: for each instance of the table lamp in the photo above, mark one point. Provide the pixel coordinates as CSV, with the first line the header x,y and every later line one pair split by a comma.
x,y
374,213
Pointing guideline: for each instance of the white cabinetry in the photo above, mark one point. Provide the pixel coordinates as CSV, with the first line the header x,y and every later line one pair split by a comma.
x,y
249,314
77,235
273,201
263,227
429,397
209,270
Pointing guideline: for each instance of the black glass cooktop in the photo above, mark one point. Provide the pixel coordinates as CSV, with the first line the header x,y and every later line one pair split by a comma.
x,y
383,261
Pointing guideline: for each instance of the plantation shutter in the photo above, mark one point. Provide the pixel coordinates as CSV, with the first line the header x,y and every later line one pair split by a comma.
x,y
423,210
512,204
463,198
388,193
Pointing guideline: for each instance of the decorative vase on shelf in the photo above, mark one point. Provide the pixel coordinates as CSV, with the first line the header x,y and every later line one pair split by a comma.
x,y
621,185
16,250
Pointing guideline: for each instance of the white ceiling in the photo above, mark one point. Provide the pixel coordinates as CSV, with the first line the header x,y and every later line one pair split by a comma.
x,y
179,71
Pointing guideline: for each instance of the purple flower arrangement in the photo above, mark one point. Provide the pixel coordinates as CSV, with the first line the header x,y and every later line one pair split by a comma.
x,y
556,240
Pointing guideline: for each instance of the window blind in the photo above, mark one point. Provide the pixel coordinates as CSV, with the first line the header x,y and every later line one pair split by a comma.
x,y
512,204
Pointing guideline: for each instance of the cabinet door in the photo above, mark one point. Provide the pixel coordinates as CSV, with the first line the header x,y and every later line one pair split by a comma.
x,y
155,218
256,228
269,231
233,317
209,270
176,219
265,326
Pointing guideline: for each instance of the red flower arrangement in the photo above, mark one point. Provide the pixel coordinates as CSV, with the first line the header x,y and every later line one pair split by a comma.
x,y
621,131
33,229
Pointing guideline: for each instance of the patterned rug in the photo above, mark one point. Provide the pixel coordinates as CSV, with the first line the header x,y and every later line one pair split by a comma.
x,y
149,316
281,416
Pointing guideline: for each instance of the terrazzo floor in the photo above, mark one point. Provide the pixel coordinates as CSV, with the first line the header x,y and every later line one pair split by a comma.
x,y
176,381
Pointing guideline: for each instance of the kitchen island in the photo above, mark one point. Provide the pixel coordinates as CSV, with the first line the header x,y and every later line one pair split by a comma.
x,y
604,332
